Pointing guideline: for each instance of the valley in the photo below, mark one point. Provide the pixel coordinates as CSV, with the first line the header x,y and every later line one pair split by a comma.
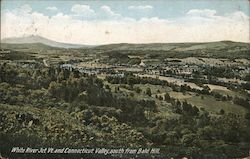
x,y
189,95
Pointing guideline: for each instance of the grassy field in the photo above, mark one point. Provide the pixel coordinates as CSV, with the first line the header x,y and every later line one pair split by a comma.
x,y
209,103
231,93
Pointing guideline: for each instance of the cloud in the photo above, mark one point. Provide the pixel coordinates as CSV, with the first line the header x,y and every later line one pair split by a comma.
x,y
239,16
107,10
82,10
25,8
53,8
202,13
192,27
205,25
145,7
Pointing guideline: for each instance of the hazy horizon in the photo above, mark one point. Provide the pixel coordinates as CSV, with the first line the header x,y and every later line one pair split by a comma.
x,y
119,42
134,22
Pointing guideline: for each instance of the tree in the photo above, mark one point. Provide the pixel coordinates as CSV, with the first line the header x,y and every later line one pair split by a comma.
x,y
132,94
247,116
222,111
160,97
107,87
195,111
177,107
247,77
130,80
137,90
148,91
117,89
167,97
55,89
189,139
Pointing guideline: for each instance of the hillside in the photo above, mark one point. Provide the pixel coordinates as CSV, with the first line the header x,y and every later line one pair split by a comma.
x,y
222,49
175,46
38,39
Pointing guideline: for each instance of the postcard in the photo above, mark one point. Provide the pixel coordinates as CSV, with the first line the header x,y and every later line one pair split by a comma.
x,y
125,79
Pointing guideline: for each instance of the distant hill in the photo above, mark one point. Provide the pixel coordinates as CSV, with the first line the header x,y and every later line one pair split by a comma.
x,y
28,47
175,46
220,49
38,39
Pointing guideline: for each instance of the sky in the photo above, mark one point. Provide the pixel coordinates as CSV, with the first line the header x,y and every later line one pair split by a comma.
x,y
96,22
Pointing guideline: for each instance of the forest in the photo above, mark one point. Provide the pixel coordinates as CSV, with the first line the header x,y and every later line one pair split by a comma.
x,y
45,106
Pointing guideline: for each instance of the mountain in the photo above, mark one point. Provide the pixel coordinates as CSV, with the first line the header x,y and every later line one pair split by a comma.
x,y
38,39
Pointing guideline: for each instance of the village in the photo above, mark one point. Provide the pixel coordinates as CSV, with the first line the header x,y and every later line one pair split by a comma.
x,y
178,71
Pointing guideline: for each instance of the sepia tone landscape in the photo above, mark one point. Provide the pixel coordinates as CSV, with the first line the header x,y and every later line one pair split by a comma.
x,y
127,79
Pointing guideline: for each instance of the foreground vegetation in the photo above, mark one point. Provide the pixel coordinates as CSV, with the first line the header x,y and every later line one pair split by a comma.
x,y
51,106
